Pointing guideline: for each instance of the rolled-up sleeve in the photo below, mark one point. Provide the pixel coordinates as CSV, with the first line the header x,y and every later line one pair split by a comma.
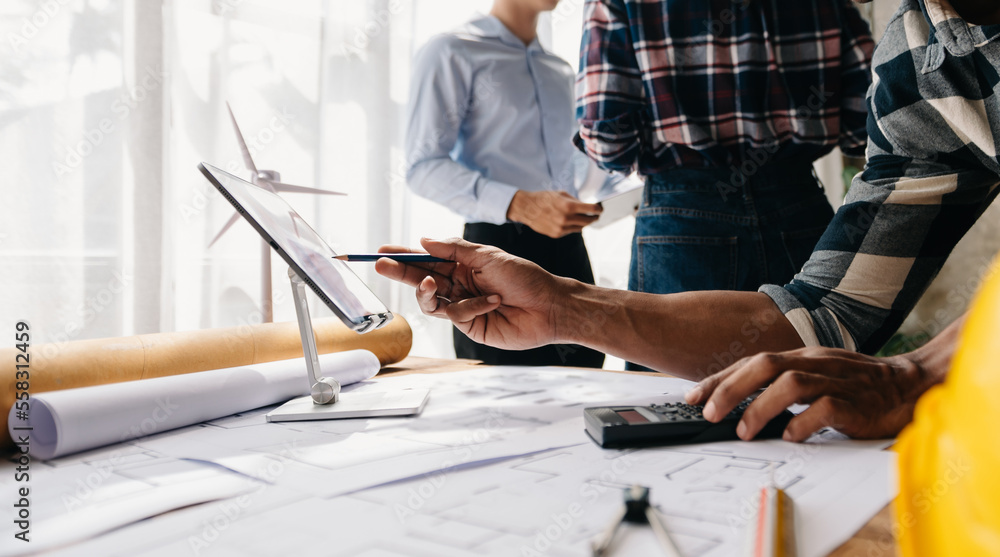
x,y
440,92
610,97
899,222
931,171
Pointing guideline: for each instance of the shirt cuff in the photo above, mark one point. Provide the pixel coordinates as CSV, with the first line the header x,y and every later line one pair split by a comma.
x,y
816,327
493,201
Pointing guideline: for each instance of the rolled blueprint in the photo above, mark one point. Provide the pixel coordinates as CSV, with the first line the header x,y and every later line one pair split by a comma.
x,y
84,363
72,420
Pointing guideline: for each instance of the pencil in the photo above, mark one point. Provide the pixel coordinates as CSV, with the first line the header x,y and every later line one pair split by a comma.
x,y
771,530
401,257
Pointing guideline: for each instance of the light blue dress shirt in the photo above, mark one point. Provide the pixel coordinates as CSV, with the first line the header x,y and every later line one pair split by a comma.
x,y
489,116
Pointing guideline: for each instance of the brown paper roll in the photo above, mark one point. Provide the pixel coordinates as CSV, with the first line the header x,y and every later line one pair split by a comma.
x,y
111,360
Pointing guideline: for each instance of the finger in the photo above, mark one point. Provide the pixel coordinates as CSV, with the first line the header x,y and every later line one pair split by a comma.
x,y
472,255
825,412
833,362
411,274
394,270
428,299
443,268
791,387
581,208
579,220
577,206
704,389
758,372
467,310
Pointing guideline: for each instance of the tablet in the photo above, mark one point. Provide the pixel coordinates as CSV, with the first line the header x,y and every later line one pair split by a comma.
x,y
304,251
619,200
619,203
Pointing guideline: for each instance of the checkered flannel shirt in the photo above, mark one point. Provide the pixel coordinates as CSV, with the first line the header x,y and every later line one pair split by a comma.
x,y
709,83
934,134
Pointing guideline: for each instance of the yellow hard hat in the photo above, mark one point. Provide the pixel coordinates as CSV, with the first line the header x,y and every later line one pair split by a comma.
x,y
949,457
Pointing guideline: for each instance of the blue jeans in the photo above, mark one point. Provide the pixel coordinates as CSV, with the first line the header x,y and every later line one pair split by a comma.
x,y
708,229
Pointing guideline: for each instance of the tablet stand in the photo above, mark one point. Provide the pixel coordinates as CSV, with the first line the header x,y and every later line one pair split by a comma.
x,y
324,390
325,402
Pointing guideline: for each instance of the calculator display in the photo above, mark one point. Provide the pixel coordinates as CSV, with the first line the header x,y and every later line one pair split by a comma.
x,y
632,417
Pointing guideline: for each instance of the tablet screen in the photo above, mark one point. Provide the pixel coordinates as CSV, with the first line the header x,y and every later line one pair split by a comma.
x,y
303,249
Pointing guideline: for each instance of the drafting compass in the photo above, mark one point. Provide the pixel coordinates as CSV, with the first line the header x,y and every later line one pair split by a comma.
x,y
637,510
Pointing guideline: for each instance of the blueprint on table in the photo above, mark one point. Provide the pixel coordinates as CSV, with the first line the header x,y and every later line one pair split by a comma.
x,y
498,463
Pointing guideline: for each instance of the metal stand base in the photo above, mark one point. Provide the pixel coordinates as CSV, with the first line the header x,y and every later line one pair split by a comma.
x,y
325,391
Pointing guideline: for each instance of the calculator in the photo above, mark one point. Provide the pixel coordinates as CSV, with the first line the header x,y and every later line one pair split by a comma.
x,y
673,423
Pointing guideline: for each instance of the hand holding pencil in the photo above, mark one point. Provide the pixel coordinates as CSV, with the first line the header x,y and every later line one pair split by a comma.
x,y
493,297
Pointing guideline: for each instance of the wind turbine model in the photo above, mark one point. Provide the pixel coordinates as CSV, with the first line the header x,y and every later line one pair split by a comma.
x,y
269,180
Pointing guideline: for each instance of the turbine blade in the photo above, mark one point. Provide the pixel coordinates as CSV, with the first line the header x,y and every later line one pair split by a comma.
x,y
244,150
225,227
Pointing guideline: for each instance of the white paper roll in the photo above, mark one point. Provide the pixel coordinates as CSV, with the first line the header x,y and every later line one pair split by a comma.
x,y
73,420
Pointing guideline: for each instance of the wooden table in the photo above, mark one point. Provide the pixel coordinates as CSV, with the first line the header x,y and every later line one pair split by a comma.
x,y
872,540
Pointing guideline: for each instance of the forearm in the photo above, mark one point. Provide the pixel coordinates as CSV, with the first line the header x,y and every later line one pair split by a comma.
x,y
932,361
690,335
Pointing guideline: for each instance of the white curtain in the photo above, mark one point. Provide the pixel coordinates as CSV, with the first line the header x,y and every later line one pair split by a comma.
x,y
64,197
107,107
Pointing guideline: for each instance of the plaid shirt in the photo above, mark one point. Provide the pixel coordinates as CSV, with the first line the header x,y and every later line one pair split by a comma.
x,y
702,83
934,134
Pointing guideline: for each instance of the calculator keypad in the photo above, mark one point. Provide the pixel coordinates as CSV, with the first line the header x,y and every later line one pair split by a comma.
x,y
679,411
